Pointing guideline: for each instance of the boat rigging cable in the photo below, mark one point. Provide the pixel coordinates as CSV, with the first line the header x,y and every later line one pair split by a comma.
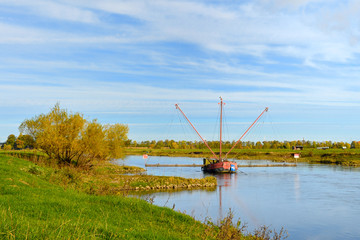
x,y
255,132
215,134
260,133
220,142
206,144
169,127
226,126
185,127
273,126
265,110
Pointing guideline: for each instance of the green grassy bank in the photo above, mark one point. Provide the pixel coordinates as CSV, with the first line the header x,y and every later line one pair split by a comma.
x,y
347,157
104,178
31,207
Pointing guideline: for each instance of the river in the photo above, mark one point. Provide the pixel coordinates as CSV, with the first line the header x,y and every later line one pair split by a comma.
x,y
310,201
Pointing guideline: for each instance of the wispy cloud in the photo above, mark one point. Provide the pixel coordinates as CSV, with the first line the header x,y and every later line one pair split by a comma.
x,y
52,10
244,28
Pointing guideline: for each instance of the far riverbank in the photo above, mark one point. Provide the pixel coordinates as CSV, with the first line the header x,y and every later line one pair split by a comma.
x,y
344,157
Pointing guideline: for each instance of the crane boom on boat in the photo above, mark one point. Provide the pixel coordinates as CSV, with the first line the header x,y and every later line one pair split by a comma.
x,y
221,109
220,164
265,110
177,107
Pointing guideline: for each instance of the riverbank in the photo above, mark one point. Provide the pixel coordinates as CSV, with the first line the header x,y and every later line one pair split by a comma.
x,y
106,178
347,157
34,206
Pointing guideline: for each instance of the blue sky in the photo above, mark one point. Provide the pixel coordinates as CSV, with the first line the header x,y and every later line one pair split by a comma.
x,y
131,61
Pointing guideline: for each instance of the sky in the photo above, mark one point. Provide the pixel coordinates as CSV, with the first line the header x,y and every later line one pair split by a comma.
x,y
131,61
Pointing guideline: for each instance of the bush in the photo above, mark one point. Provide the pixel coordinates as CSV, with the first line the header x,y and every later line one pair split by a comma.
x,y
7,147
70,139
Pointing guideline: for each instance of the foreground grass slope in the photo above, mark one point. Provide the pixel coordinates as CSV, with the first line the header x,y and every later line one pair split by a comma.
x,y
44,202
33,208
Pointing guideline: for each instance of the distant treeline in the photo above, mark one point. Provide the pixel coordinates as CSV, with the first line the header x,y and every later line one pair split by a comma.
x,y
171,144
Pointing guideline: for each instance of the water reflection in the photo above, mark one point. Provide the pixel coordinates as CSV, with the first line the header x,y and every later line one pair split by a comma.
x,y
220,204
310,201
297,186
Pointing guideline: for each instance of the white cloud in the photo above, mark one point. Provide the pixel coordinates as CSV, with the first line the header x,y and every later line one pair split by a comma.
x,y
292,5
310,35
17,34
110,97
54,10
65,12
244,29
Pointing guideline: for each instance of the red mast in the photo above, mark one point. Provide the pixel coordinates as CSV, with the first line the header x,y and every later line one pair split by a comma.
x,y
221,105
177,107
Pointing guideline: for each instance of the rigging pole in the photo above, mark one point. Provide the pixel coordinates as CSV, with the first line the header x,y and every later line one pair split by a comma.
x,y
177,107
266,109
221,106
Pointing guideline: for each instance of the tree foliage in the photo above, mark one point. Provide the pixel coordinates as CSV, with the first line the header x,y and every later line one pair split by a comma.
x,y
25,141
7,147
69,138
21,142
11,140
275,144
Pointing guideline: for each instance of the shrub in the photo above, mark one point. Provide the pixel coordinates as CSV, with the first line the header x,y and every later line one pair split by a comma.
x,y
70,139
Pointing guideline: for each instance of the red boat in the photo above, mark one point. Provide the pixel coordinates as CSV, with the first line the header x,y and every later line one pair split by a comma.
x,y
218,164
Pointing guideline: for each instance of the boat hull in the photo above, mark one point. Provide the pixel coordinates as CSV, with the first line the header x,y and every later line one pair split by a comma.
x,y
215,166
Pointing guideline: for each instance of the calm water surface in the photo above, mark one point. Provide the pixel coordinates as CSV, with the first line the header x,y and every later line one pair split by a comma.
x,y
309,201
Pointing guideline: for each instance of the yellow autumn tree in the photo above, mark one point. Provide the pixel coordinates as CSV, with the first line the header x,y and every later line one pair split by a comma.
x,y
71,139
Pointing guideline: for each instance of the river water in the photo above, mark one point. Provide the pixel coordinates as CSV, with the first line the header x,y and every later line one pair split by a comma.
x,y
310,201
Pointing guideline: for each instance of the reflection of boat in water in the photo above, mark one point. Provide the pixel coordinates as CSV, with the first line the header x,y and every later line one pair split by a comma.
x,y
219,164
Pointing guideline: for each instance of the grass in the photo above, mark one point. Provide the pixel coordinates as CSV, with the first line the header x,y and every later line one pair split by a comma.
x,y
347,157
31,207
105,178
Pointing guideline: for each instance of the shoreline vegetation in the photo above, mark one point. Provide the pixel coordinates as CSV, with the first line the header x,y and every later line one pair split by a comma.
x,y
344,157
108,178
41,200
